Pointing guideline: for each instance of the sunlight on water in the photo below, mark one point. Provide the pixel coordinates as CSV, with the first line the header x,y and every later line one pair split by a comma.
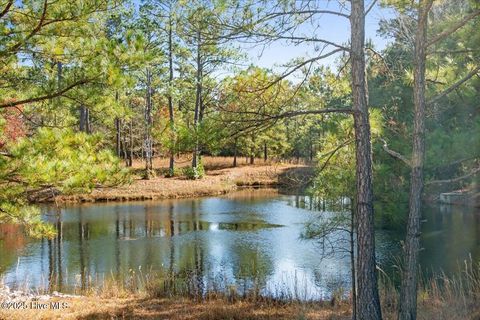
x,y
250,238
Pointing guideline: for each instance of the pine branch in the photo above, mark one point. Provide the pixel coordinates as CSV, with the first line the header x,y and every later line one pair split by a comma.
x,y
35,30
6,9
45,97
454,86
455,27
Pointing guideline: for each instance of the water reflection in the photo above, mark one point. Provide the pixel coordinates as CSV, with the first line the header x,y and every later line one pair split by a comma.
x,y
249,238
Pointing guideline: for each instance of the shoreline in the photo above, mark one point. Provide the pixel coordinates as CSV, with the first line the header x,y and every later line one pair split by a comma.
x,y
217,181
19,305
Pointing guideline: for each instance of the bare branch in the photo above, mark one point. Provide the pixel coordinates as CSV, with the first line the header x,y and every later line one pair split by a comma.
x,y
300,39
457,162
370,7
468,175
333,152
6,154
313,11
395,154
301,65
290,114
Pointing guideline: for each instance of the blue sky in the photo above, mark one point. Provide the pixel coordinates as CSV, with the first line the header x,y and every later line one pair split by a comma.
x,y
332,28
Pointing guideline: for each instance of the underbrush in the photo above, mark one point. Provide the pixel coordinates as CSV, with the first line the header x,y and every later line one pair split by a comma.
x,y
441,296
154,295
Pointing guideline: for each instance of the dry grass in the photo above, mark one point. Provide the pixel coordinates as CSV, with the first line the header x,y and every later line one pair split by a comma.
x,y
441,297
138,307
220,178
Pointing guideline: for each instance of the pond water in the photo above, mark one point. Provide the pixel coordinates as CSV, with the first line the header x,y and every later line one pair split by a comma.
x,y
250,238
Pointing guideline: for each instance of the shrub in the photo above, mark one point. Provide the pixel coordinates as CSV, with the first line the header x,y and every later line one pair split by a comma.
x,y
193,174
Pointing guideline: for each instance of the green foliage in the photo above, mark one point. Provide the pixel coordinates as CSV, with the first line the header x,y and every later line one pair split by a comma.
x,y
101,59
77,160
55,159
194,173
336,161
452,124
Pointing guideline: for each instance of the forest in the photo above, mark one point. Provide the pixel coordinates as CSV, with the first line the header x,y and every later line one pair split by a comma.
x,y
371,112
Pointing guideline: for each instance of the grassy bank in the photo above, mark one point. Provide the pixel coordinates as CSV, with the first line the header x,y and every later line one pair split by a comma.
x,y
439,305
138,307
220,178
439,298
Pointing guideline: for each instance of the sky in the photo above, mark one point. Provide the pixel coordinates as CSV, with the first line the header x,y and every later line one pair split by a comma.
x,y
332,28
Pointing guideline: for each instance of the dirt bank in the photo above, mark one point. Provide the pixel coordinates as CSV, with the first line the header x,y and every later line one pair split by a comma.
x,y
220,178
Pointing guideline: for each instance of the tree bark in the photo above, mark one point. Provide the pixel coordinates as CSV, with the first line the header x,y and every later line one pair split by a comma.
x,y
235,152
118,137
171,167
82,124
148,127
368,307
265,152
125,147
198,101
408,290
88,128
352,261
130,144
252,151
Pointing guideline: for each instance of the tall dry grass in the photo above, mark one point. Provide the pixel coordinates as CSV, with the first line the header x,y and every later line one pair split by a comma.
x,y
441,296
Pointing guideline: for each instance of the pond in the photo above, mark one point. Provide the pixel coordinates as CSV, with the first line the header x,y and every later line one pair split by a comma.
x,y
250,238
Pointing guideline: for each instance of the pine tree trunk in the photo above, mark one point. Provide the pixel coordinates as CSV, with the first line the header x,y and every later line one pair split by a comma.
x,y
408,290
88,128
125,148
265,152
148,127
171,167
130,144
59,86
235,152
198,107
368,307
352,261
82,124
118,137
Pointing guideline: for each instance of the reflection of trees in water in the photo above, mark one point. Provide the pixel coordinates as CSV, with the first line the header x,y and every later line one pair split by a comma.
x,y
171,238
251,267
452,238
12,240
55,246
198,254
117,253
